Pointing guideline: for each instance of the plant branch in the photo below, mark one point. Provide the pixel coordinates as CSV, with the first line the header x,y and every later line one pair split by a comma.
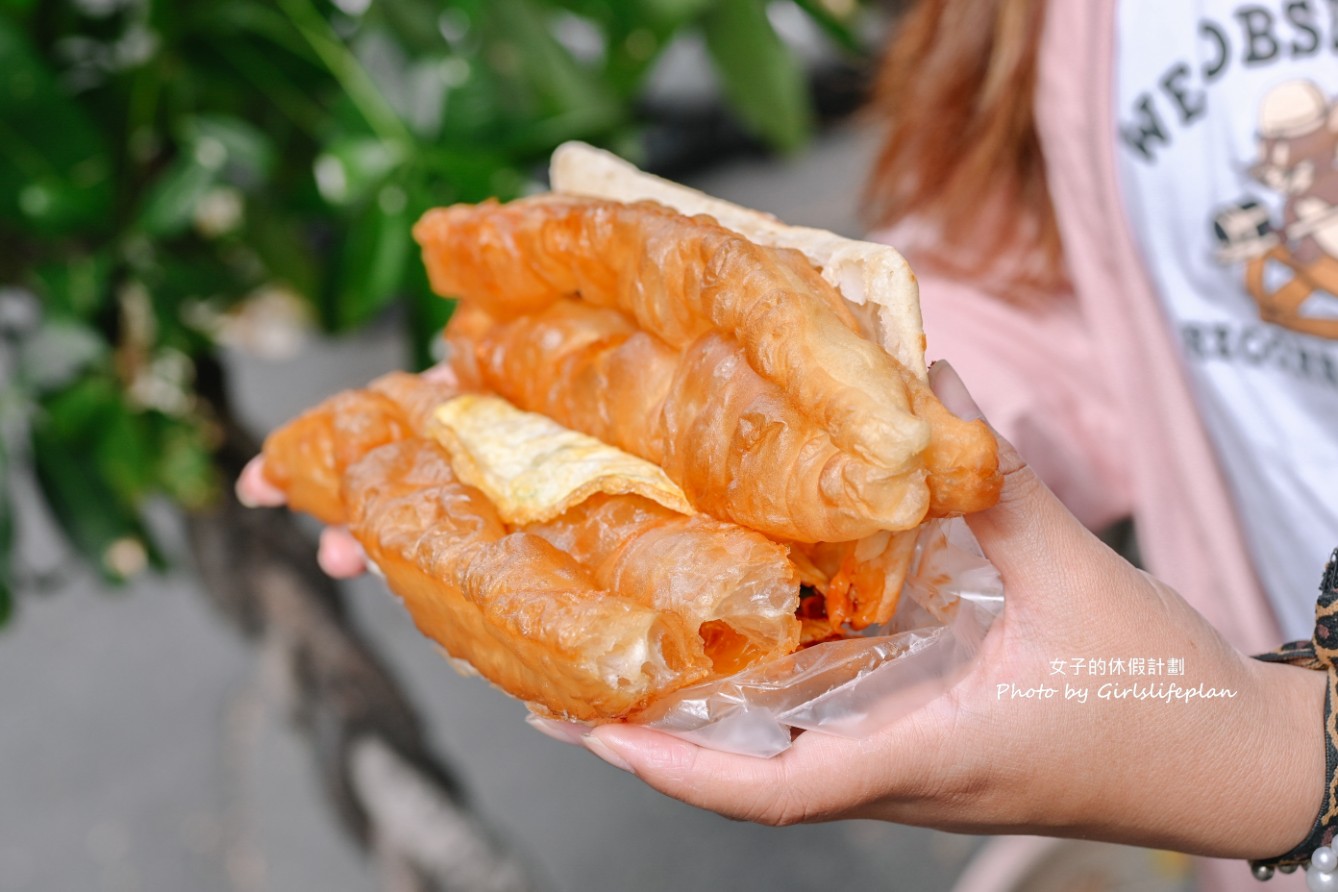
x,y
346,69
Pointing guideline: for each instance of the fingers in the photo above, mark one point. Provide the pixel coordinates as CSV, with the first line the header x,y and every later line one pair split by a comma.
x,y
340,555
253,490
951,391
806,782
441,373
1029,534
563,732
735,786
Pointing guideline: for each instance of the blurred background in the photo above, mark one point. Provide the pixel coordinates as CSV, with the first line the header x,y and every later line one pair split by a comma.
x,y
204,228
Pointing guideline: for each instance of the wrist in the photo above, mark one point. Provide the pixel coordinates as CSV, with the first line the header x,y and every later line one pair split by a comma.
x,y
1288,795
1258,781
1239,778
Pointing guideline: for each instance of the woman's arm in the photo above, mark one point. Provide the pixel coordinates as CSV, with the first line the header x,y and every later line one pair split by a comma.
x,y
1238,775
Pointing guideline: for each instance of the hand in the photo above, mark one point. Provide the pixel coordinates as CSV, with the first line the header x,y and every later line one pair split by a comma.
x,y
1234,777
339,554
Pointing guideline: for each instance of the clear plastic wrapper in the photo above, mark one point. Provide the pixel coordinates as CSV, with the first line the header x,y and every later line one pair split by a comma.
x,y
851,687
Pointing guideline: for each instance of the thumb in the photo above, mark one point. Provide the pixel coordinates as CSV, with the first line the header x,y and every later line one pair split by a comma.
x,y
740,787
819,777
1029,535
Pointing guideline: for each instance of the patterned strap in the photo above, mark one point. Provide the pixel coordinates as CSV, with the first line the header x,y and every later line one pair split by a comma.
x,y
1320,652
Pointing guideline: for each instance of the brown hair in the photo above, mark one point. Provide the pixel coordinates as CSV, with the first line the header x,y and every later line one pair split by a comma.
x,y
961,155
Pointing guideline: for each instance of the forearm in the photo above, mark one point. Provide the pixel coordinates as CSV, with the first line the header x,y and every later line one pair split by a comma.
x,y
1224,757
1242,779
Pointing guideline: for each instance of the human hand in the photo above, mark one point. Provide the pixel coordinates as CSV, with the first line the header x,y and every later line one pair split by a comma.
x,y
1236,776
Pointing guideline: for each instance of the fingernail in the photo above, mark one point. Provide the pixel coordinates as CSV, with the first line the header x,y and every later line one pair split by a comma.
x,y
605,752
241,488
564,732
253,490
328,563
441,374
948,387
339,554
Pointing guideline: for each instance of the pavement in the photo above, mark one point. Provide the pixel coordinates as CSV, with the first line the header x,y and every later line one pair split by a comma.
x,y
136,754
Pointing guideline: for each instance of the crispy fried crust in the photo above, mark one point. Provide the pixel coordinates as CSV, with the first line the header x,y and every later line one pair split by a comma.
x,y
777,378
680,279
590,615
874,280
719,429
523,613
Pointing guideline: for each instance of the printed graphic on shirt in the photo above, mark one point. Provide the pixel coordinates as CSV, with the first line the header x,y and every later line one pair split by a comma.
x,y
1210,50
1285,264
1226,127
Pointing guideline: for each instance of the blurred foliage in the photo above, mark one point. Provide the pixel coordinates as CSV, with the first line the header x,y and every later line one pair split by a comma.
x,y
175,174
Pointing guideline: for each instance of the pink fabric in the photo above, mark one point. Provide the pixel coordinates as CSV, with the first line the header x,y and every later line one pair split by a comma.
x,y
1188,529
1092,391
1187,523
1032,375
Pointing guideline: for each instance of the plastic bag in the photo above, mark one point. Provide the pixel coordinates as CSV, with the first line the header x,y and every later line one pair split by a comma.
x,y
952,596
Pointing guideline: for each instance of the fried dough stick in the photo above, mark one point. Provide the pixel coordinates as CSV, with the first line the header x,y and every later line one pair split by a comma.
x,y
719,430
593,370
680,278
526,615
962,458
724,434
340,462
736,587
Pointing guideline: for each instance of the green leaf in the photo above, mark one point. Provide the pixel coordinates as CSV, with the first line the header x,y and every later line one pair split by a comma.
x,y
170,205
6,597
58,352
474,113
761,77
352,166
105,531
413,22
80,408
344,67
840,28
112,440
427,315
244,151
55,173
672,14
279,242
251,65
184,463
374,258
123,451
74,287
465,176
554,81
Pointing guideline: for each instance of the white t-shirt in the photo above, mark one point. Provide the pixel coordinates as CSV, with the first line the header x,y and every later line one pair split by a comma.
x,y
1227,132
